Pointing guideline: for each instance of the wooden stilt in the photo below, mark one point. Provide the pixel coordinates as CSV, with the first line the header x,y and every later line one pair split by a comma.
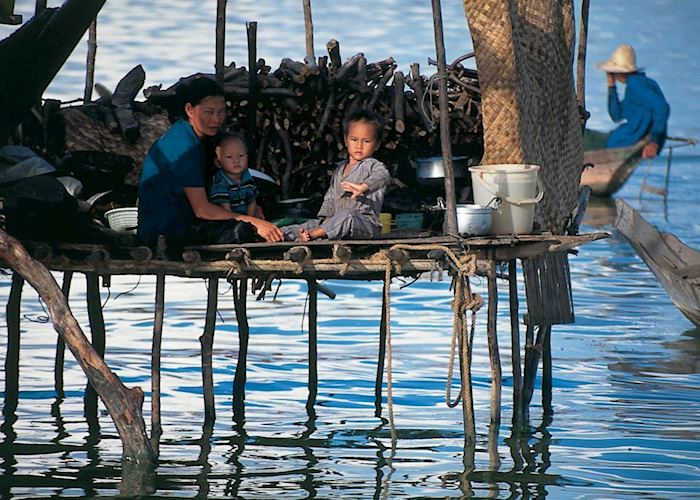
x,y
206,342
60,342
12,311
443,101
494,356
251,123
156,427
97,334
220,40
532,359
313,347
547,371
309,31
379,381
90,67
515,342
240,289
123,404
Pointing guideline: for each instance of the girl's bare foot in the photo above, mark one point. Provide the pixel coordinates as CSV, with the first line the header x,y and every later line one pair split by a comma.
x,y
304,235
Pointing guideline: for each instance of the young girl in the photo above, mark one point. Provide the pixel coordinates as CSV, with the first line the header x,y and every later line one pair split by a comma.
x,y
352,204
233,187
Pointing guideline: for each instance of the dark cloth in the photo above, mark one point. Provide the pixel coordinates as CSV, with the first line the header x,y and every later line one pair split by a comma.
x,y
644,110
237,195
212,232
174,162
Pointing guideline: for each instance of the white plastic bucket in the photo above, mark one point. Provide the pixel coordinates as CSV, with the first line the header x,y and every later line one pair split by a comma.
x,y
519,189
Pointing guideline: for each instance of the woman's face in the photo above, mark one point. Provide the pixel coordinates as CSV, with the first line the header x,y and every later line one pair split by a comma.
x,y
207,116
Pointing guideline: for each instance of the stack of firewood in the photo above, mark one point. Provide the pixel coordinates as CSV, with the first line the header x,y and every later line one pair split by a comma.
x,y
298,137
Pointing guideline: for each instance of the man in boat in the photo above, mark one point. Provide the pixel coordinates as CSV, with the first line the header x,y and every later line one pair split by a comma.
x,y
643,108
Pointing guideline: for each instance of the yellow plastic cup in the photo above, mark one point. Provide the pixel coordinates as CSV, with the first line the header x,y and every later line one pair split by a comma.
x,y
385,219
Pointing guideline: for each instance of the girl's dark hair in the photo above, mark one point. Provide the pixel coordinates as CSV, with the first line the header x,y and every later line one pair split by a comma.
x,y
198,89
364,115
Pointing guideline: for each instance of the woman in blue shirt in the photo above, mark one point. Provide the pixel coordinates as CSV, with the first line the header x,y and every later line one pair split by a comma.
x,y
172,196
643,109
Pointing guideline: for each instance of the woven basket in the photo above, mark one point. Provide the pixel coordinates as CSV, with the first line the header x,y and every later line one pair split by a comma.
x,y
123,219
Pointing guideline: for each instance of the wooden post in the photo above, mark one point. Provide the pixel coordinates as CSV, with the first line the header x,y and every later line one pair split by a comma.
x,y
381,355
220,40
123,404
581,64
532,359
60,343
309,30
206,342
91,55
515,342
252,122
494,356
240,290
547,371
39,7
97,334
12,312
313,346
451,212
156,427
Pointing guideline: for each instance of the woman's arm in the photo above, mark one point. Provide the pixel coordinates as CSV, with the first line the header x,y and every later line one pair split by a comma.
x,y
203,209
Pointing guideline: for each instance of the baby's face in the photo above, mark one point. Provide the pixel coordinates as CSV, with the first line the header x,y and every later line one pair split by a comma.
x,y
232,157
361,141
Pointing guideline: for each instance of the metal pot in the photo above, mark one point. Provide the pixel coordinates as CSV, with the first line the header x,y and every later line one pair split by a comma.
x,y
434,167
473,220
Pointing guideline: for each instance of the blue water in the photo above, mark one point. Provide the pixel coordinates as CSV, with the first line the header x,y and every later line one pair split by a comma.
x,y
626,391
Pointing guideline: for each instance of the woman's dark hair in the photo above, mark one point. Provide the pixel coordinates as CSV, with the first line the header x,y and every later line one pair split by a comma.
x,y
198,89
364,115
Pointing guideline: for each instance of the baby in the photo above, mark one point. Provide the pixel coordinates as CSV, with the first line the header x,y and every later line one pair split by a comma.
x,y
352,204
233,187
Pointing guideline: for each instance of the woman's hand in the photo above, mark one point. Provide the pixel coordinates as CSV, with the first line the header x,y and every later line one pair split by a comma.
x,y
354,189
650,150
267,230
611,79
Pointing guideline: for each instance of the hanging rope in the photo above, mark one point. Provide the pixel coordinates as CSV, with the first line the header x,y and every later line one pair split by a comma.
x,y
389,377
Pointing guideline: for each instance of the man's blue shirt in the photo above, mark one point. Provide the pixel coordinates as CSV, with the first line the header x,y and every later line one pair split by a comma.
x,y
643,108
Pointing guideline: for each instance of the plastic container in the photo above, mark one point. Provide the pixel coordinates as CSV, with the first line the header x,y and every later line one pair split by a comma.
x,y
519,190
385,220
123,219
412,220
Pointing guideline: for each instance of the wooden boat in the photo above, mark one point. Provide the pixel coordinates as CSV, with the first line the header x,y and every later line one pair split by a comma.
x,y
675,265
611,166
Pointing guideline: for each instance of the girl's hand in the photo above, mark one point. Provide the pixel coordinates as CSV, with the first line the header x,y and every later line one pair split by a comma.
x,y
354,189
611,79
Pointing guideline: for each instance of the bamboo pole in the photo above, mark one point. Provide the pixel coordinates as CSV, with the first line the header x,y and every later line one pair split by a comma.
x,y
39,7
91,56
61,343
251,122
313,346
97,333
515,343
309,31
156,426
206,342
381,355
220,40
451,212
240,290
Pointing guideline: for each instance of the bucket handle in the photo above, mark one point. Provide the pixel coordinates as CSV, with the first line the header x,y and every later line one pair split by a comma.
x,y
527,201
